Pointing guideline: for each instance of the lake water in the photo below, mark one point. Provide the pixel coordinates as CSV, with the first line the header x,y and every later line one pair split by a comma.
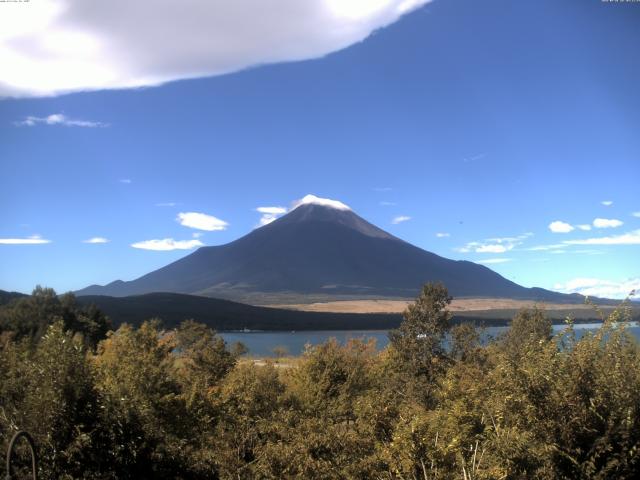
x,y
261,344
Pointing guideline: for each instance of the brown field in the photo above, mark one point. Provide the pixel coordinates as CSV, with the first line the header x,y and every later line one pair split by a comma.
x,y
398,306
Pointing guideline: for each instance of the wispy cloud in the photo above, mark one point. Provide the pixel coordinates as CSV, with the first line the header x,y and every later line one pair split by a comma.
x,y
584,226
474,158
607,223
166,204
631,238
559,226
607,203
58,119
636,214
126,181
442,234
400,219
493,248
388,204
491,261
544,248
596,287
269,214
383,189
167,244
201,221
96,240
32,240
494,245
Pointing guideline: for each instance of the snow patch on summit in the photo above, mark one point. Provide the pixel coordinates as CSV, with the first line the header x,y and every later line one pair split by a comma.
x,y
325,202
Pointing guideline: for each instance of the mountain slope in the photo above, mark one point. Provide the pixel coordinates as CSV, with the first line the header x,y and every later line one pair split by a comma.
x,y
319,249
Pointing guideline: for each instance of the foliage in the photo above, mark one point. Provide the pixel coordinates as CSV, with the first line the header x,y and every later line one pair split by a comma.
x,y
30,316
436,404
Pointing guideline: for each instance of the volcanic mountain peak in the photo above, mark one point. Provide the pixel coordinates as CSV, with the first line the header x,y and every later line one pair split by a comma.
x,y
325,202
330,214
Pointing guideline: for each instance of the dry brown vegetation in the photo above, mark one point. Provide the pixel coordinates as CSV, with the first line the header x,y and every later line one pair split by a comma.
x,y
398,306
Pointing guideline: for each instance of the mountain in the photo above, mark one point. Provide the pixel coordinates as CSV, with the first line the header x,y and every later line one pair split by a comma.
x,y
224,315
319,250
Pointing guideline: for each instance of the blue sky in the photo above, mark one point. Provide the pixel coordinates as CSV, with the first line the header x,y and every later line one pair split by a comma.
x,y
481,121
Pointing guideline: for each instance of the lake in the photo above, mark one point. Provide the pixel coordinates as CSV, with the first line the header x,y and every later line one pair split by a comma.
x,y
261,344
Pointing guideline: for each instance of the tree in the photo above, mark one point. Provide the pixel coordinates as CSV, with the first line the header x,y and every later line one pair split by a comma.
x,y
419,341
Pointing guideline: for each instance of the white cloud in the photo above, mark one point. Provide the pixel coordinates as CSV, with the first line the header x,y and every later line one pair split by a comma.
x,y
126,181
166,204
494,245
491,261
544,248
201,221
167,244
400,219
326,202
32,240
607,223
631,238
443,235
96,240
383,189
607,203
197,234
57,119
636,214
588,252
388,204
493,248
272,210
55,46
560,227
596,287
269,214
584,226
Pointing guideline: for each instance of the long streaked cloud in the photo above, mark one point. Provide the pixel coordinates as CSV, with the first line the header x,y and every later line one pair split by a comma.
x,y
166,244
56,46
400,219
495,244
545,248
607,223
595,287
32,240
58,119
492,261
166,204
635,214
96,240
630,238
443,234
201,221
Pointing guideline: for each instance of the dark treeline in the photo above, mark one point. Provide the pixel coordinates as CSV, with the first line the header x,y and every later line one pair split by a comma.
x,y
146,402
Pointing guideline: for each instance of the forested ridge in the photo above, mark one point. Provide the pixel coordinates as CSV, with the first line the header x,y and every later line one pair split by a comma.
x,y
150,402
